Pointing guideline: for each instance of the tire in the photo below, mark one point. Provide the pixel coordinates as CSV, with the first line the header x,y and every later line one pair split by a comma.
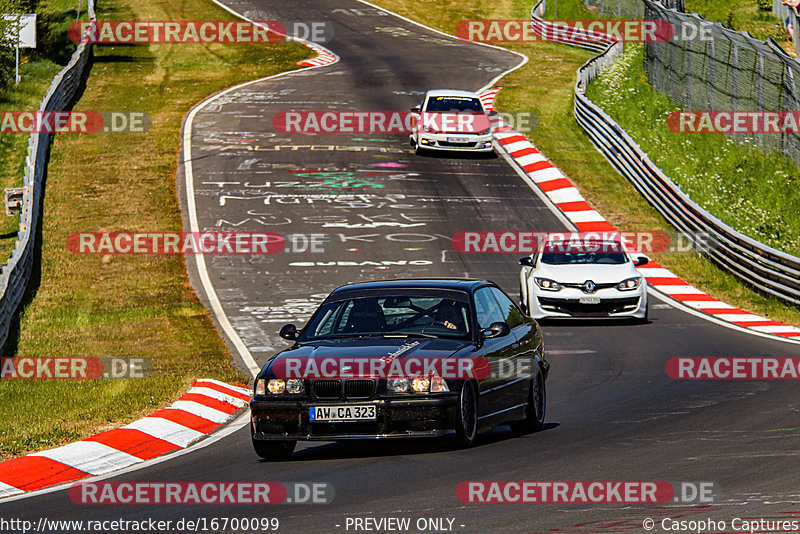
x,y
274,450
467,415
537,406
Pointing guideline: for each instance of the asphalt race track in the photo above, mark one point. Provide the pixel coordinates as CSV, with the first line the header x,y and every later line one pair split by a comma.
x,y
613,414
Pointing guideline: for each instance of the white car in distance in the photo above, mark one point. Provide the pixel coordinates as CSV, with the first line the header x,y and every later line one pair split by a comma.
x,y
453,120
590,280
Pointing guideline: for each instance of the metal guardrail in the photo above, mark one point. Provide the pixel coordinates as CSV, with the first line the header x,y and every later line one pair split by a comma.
x,y
15,274
766,268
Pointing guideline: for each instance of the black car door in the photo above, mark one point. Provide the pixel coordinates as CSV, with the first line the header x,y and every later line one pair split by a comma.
x,y
498,351
519,365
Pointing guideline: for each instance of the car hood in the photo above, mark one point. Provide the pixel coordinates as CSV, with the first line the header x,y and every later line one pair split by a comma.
x,y
603,274
374,348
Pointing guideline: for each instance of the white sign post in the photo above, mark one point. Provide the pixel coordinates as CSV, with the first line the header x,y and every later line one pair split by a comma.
x,y
23,32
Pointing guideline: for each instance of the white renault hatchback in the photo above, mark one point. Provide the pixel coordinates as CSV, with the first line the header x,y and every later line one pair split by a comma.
x,y
597,279
449,119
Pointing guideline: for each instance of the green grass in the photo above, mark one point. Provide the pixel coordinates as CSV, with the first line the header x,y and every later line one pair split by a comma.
x,y
753,190
742,15
545,86
125,305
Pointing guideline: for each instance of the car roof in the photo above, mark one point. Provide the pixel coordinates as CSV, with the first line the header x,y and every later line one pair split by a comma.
x,y
451,92
459,284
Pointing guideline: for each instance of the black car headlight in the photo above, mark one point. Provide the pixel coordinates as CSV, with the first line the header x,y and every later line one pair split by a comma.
x,y
278,386
630,284
547,284
434,384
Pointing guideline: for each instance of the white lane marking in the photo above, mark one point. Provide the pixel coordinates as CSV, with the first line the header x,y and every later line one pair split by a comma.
x,y
201,410
709,305
188,170
7,491
90,457
166,430
487,45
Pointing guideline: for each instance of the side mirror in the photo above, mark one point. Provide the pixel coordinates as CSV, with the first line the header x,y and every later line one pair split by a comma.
x,y
416,109
498,329
526,261
494,113
289,332
641,260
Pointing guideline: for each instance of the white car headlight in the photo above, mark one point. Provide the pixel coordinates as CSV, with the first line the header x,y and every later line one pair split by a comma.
x,y
630,284
547,284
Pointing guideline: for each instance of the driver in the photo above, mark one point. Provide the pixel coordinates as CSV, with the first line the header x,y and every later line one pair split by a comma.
x,y
449,314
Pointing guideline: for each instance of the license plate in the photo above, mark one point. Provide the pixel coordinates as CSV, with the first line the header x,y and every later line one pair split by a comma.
x,y
342,413
590,300
458,140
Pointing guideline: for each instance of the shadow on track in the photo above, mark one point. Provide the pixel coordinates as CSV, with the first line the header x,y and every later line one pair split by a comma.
x,y
355,449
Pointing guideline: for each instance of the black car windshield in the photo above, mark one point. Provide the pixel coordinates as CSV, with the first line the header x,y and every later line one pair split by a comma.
x,y
453,103
425,315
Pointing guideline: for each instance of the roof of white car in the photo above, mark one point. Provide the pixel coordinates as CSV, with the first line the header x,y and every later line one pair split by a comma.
x,y
451,92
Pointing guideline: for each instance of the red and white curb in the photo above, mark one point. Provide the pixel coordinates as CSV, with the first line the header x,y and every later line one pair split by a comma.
x,y
324,56
566,197
207,405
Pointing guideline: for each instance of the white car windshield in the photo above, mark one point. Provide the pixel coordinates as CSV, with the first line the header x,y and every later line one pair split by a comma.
x,y
573,258
453,103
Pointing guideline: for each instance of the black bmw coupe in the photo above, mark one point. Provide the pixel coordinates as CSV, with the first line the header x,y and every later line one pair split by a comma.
x,y
402,359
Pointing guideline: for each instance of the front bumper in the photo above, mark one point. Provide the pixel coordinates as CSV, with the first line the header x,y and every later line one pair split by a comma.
x,y
401,417
566,303
474,143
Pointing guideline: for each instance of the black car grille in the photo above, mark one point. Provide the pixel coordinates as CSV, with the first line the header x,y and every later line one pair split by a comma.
x,y
457,145
359,389
332,389
327,389
574,307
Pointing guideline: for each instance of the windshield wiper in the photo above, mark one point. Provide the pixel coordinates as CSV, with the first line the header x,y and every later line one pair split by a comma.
x,y
412,334
382,335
